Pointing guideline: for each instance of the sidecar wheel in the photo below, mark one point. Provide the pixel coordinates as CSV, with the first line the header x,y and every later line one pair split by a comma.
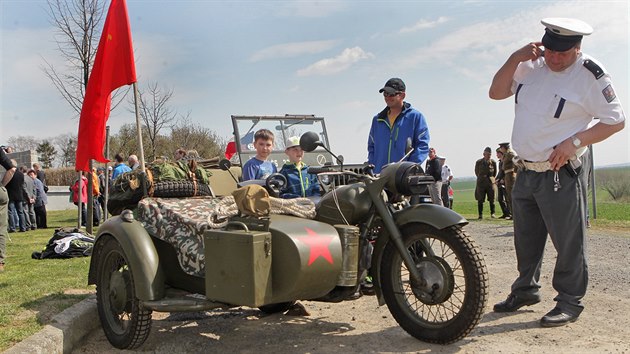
x,y
125,323
275,308
451,301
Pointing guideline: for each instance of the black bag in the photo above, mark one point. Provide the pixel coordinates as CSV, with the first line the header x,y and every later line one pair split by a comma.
x,y
67,242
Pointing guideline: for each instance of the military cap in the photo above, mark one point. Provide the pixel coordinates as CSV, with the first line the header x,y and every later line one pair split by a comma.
x,y
562,34
505,145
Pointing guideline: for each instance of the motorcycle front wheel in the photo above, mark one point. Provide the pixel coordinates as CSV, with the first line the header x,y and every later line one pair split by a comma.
x,y
125,323
449,301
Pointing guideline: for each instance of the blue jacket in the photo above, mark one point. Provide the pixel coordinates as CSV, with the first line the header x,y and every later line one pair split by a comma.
x,y
299,182
387,144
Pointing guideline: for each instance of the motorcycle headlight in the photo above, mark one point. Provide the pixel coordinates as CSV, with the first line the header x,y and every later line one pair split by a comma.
x,y
406,178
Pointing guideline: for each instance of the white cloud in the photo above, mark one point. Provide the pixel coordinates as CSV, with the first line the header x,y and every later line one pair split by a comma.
x,y
424,24
289,50
342,62
494,40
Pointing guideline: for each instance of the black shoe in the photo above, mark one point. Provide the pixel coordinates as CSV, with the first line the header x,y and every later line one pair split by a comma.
x,y
367,288
515,302
503,216
556,318
480,217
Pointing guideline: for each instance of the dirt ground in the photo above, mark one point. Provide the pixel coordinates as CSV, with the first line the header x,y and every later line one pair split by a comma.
x,y
361,326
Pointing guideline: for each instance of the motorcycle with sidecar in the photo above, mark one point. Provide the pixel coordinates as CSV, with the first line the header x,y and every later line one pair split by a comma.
x,y
165,257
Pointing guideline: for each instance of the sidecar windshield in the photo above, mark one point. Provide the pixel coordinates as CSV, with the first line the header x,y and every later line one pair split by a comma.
x,y
283,127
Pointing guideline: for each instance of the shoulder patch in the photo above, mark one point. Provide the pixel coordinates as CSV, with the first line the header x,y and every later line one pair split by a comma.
x,y
609,93
595,69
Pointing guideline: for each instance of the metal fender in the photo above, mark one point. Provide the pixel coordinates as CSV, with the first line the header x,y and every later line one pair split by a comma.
x,y
431,214
140,251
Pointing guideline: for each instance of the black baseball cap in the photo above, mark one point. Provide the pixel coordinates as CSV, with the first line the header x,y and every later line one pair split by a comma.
x,y
393,85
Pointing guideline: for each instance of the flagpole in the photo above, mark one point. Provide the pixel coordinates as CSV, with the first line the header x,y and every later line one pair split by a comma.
x,y
138,127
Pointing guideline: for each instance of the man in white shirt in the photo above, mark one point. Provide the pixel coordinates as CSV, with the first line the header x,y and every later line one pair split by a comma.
x,y
447,176
557,93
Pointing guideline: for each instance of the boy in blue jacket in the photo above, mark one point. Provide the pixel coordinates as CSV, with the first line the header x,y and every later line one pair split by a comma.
x,y
299,182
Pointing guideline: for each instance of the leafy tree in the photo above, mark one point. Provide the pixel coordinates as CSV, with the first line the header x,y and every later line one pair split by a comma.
x,y
46,153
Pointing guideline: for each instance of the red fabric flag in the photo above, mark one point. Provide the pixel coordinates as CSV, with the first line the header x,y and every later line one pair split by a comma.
x,y
230,150
113,67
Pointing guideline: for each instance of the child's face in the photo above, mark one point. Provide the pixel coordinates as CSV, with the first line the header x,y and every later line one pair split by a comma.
x,y
263,148
295,154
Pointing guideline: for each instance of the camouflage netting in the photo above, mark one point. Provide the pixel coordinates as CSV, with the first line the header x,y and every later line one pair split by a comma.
x,y
180,222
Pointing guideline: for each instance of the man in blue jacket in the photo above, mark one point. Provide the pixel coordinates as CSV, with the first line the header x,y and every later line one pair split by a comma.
x,y
393,125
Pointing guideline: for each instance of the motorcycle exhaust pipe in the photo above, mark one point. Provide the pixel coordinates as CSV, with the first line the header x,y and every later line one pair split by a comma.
x,y
349,236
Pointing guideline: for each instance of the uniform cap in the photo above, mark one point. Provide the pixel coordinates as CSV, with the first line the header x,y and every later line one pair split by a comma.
x,y
505,145
393,86
292,142
562,34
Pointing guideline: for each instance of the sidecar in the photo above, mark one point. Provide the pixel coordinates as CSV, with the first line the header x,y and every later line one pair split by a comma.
x,y
165,257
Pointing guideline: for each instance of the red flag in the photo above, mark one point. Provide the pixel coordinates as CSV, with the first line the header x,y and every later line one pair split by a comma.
x,y
230,149
113,67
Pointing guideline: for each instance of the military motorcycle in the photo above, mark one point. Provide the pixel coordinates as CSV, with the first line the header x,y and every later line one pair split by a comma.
x,y
164,256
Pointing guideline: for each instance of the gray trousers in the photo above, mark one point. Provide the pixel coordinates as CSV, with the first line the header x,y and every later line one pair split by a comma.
x,y
435,190
539,211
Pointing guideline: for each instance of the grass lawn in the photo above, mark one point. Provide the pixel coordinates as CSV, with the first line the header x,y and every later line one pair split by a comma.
x,y
32,291
610,214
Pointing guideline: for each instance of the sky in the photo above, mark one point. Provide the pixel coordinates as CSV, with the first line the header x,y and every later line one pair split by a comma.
x,y
326,58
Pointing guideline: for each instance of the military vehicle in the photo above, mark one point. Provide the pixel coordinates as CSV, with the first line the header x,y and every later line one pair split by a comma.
x,y
165,256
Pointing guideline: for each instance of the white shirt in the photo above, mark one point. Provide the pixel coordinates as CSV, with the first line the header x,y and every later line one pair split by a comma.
x,y
446,173
552,106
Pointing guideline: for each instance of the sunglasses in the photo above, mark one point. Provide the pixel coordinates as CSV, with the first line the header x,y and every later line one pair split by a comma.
x,y
391,94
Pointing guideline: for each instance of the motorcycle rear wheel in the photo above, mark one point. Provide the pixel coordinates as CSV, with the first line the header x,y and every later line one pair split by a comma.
x,y
125,323
451,304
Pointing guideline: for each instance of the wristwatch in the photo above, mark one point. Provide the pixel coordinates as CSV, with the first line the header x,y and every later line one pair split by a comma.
x,y
576,141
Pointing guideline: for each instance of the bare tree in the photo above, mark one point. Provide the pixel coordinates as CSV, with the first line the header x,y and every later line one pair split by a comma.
x,y
78,24
155,114
66,145
188,135
23,143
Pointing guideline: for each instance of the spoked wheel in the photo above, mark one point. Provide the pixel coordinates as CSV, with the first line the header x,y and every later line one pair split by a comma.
x,y
125,324
449,300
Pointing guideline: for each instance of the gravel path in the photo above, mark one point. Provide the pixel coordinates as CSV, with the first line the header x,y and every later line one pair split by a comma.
x,y
362,327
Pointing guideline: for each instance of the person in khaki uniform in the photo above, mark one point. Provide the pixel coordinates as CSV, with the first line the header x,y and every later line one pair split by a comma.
x,y
509,171
486,171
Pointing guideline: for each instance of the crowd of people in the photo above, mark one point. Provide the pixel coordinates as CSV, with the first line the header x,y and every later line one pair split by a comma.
x,y
22,199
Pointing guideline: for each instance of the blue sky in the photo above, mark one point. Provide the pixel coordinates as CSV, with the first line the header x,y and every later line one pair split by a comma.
x,y
327,58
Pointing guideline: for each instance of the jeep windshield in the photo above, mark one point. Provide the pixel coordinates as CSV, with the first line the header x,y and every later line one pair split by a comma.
x,y
283,127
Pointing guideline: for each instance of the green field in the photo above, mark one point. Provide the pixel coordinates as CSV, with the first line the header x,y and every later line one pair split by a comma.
x,y
610,213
